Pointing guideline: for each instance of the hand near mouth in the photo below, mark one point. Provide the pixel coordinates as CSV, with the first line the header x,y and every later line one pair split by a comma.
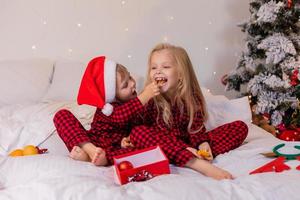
x,y
149,92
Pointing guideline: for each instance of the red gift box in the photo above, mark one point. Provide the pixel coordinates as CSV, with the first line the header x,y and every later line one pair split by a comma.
x,y
151,160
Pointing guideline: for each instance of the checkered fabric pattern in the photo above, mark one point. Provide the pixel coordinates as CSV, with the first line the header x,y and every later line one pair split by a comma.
x,y
106,131
175,149
227,137
174,140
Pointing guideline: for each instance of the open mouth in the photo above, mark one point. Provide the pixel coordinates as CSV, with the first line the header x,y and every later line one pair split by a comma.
x,y
160,80
134,92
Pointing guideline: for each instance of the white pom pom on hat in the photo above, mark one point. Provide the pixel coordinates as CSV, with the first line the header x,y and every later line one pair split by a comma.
x,y
107,109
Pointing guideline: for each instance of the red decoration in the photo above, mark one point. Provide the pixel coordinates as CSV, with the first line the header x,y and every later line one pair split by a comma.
x,y
276,165
125,165
289,3
41,151
289,135
298,168
224,79
294,78
266,116
281,127
297,129
294,83
140,176
296,72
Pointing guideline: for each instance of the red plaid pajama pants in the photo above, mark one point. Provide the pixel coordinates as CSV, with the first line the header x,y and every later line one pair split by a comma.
x,y
73,134
221,139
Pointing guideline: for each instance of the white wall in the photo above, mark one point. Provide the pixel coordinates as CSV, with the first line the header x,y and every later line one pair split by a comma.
x,y
126,31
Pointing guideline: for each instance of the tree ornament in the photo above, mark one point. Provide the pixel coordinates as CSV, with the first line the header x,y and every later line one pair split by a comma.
x,y
289,3
296,72
294,78
281,127
266,116
125,165
224,79
294,82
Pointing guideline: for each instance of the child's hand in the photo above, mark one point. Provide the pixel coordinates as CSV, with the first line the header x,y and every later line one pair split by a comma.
x,y
126,142
149,92
194,151
205,151
152,89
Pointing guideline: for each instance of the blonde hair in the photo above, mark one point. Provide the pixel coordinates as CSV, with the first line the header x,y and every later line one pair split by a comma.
x,y
188,92
122,71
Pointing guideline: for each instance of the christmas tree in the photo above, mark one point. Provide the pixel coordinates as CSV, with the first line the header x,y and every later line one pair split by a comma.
x,y
268,68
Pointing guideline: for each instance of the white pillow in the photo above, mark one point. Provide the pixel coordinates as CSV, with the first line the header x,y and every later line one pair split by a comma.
x,y
66,81
32,124
55,145
23,81
222,110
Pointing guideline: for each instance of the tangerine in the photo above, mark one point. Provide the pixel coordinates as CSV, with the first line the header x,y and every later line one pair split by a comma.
x,y
17,152
30,150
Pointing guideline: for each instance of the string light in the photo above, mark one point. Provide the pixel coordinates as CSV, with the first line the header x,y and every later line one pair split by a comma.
x,y
215,73
126,29
44,22
250,99
129,56
123,2
70,50
210,23
171,18
208,90
165,38
33,47
79,25
206,48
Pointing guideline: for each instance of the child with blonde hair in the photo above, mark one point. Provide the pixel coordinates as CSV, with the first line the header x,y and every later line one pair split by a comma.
x,y
175,118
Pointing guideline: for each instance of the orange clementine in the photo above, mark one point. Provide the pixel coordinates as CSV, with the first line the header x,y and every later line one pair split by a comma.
x,y
30,150
17,152
203,153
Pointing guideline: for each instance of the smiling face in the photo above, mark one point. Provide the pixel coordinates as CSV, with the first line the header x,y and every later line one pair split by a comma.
x,y
126,88
163,70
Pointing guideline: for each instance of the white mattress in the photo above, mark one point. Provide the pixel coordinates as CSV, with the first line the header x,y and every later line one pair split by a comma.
x,y
56,176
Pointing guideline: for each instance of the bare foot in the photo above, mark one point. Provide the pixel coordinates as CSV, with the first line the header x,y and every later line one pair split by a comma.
x,y
96,154
99,158
78,154
217,173
208,169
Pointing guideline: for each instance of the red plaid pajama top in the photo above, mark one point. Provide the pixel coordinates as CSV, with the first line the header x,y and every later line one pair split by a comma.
x,y
106,131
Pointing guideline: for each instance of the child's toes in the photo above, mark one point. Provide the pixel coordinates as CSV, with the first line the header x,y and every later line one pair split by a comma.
x,y
99,158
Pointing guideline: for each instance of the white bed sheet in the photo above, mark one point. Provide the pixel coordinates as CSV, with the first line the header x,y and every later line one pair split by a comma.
x,y
56,176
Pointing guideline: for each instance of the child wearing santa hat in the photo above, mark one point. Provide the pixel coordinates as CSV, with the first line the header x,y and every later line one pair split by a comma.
x,y
108,86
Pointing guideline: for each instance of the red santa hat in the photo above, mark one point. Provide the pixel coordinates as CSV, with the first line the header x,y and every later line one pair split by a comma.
x,y
98,84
